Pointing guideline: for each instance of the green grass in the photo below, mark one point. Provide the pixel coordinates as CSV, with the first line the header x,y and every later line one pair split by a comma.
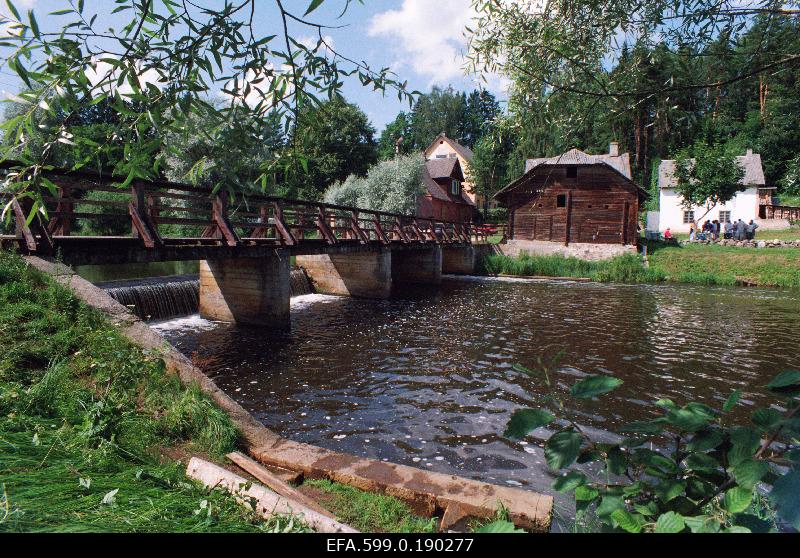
x,y
727,265
371,512
696,264
83,413
627,268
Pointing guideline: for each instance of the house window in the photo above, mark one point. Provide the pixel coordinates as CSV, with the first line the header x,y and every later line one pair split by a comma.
x,y
453,155
688,217
561,200
572,172
441,156
455,187
724,216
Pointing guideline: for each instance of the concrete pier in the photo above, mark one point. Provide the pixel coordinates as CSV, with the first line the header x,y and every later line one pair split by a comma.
x,y
421,265
358,274
459,260
253,291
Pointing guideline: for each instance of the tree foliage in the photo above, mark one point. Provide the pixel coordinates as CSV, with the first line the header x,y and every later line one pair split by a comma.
x,y
688,470
171,59
391,186
707,176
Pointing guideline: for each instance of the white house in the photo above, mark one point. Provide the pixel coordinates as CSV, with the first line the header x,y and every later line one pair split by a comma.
x,y
745,205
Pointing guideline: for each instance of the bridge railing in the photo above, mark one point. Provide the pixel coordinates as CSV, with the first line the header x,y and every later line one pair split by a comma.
x,y
170,213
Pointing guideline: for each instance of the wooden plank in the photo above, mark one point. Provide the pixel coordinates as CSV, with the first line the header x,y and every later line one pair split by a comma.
x,y
267,502
274,482
280,225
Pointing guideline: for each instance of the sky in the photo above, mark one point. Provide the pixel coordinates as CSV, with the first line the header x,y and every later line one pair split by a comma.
x,y
421,40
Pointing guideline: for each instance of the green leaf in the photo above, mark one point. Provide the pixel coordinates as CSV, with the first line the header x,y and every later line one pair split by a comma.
x,y
616,461
499,527
586,493
785,379
650,509
702,524
570,481
688,419
669,489
745,442
313,6
766,419
670,522
610,504
13,10
737,529
594,386
749,472
784,497
562,448
526,420
644,427
702,462
627,521
732,400
705,440
737,499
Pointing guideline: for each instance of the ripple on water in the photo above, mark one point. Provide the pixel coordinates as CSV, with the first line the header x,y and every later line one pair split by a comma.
x,y
431,376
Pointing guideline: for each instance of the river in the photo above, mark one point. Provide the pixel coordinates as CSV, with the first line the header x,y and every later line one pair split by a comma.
x,y
427,379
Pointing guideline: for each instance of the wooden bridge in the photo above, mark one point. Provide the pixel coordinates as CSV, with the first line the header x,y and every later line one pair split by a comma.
x,y
88,220
243,242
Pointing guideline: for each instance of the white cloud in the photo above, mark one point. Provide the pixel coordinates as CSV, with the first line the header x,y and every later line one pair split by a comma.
x,y
430,34
103,74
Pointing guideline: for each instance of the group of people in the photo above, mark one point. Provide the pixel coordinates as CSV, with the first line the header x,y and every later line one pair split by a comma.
x,y
736,230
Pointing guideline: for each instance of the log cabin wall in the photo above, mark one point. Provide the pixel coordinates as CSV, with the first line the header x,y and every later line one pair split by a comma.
x,y
596,206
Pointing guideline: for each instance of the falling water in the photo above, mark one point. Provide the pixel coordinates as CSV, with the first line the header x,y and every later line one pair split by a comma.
x,y
171,297
159,301
300,283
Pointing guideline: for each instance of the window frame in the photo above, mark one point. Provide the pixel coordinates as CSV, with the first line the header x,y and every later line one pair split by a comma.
x,y
727,214
688,216
561,200
455,187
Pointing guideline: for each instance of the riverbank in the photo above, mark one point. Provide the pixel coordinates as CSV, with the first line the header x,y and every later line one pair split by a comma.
x,y
693,264
94,432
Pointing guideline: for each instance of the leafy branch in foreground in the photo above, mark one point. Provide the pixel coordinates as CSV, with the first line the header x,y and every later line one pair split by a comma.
x,y
687,470
163,67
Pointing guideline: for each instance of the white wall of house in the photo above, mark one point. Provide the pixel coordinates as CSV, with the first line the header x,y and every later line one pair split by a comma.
x,y
743,206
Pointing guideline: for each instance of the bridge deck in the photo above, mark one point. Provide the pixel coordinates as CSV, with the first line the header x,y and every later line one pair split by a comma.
x,y
161,221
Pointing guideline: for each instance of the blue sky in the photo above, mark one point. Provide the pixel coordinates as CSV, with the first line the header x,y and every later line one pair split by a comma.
x,y
421,40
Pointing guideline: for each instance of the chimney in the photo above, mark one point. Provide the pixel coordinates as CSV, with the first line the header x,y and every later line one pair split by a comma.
x,y
749,152
613,149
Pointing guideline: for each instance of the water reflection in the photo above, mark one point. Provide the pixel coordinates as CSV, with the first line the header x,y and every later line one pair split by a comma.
x,y
427,380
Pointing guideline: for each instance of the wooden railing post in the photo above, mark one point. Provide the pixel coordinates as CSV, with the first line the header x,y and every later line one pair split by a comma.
x,y
280,225
359,232
142,225
324,228
62,225
219,215
376,221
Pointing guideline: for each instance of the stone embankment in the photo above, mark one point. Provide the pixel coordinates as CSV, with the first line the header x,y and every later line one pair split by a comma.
x,y
757,243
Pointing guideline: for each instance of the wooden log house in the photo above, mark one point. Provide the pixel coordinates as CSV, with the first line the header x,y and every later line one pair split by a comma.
x,y
575,198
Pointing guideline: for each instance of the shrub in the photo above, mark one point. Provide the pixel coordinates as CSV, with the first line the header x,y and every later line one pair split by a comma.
x,y
690,469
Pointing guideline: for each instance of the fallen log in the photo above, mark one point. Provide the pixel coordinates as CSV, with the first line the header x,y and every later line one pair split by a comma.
x,y
275,483
267,502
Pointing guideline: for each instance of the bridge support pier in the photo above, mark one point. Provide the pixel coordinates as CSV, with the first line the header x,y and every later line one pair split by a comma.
x,y
422,265
358,274
459,260
254,291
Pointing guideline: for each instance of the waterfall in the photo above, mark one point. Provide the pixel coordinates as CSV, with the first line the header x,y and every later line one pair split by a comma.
x,y
172,297
300,283
159,300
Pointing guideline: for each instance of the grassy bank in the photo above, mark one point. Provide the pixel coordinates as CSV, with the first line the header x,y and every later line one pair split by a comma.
x,y
88,422
695,264
622,269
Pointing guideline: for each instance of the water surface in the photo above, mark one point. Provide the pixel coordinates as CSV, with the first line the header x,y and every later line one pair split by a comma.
x,y
427,379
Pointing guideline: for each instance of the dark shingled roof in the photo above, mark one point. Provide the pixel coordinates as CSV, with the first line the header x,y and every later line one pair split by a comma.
x,y
575,157
444,169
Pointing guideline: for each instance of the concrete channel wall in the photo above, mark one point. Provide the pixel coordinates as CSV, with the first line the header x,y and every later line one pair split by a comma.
x,y
426,492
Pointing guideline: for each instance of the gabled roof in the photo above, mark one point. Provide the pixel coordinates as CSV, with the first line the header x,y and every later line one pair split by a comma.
x,y
444,170
462,150
619,164
751,162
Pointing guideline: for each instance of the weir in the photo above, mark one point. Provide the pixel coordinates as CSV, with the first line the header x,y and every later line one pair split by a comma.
x,y
162,298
